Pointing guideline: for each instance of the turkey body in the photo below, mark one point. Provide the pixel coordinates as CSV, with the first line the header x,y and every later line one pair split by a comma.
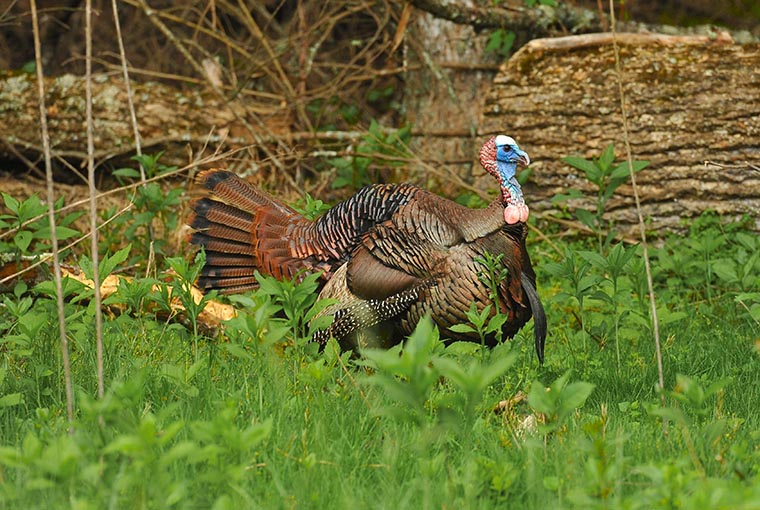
x,y
389,255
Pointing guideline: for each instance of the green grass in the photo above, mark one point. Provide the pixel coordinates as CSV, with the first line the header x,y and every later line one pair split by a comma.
x,y
259,418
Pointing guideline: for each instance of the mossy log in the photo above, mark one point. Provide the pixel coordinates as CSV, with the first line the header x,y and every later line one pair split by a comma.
x,y
693,109
183,123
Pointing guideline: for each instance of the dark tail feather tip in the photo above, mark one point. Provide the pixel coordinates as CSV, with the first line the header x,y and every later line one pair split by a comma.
x,y
539,317
212,178
202,205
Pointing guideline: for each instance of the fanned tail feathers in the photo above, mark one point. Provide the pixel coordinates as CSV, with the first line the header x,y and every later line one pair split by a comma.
x,y
242,230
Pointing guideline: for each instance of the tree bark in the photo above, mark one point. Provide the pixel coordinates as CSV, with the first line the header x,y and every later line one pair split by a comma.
x,y
693,106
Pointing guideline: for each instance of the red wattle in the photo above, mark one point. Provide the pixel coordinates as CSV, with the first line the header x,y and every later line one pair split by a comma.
x,y
515,213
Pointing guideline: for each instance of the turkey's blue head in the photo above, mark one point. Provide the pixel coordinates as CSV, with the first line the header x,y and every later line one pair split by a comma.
x,y
500,156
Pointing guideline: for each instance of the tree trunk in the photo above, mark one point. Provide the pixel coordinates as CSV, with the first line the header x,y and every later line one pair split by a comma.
x,y
448,74
693,108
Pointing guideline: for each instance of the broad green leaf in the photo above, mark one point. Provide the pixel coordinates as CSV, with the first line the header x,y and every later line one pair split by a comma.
x,y
496,369
61,232
717,386
130,173
725,269
125,443
666,316
555,269
593,173
574,395
11,399
670,413
462,328
453,371
108,264
587,282
754,311
11,203
496,322
621,171
22,239
607,157
563,197
594,259
462,348
586,217
541,399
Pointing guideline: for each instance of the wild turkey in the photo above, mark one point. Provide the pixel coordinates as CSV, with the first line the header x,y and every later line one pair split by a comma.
x,y
390,254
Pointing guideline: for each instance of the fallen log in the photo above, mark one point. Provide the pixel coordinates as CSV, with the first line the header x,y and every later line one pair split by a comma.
x,y
693,106
181,122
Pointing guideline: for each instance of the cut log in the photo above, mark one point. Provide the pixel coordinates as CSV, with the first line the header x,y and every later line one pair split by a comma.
x,y
693,107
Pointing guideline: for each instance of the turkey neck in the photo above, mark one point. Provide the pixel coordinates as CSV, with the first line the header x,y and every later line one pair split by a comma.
x,y
477,223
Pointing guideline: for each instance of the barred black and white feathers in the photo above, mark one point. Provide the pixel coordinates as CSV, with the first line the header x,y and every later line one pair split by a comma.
x,y
389,255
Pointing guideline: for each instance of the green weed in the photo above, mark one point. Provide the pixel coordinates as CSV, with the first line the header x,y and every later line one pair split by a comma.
x,y
378,145
155,210
257,415
32,228
606,176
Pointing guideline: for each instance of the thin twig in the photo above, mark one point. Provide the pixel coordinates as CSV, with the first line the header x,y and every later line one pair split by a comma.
x,y
128,87
44,259
133,119
642,228
51,219
93,200
153,18
734,166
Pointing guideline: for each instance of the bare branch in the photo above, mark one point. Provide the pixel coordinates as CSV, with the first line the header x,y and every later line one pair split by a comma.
x,y
537,20
51,218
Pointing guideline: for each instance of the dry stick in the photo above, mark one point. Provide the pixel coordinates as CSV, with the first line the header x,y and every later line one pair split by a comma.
x,y
51,219
133,119
93,200
130,101
250,22
153,18
642,230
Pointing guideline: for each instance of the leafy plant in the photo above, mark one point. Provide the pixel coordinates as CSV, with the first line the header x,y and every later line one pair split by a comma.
x,y
695,401
406,373
184,277
155,210
483,323
389,147
559,400
256,322
29,218
712,255
612,268
500,42
488,321
310,207
606,176
576,272
470,379
298,301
